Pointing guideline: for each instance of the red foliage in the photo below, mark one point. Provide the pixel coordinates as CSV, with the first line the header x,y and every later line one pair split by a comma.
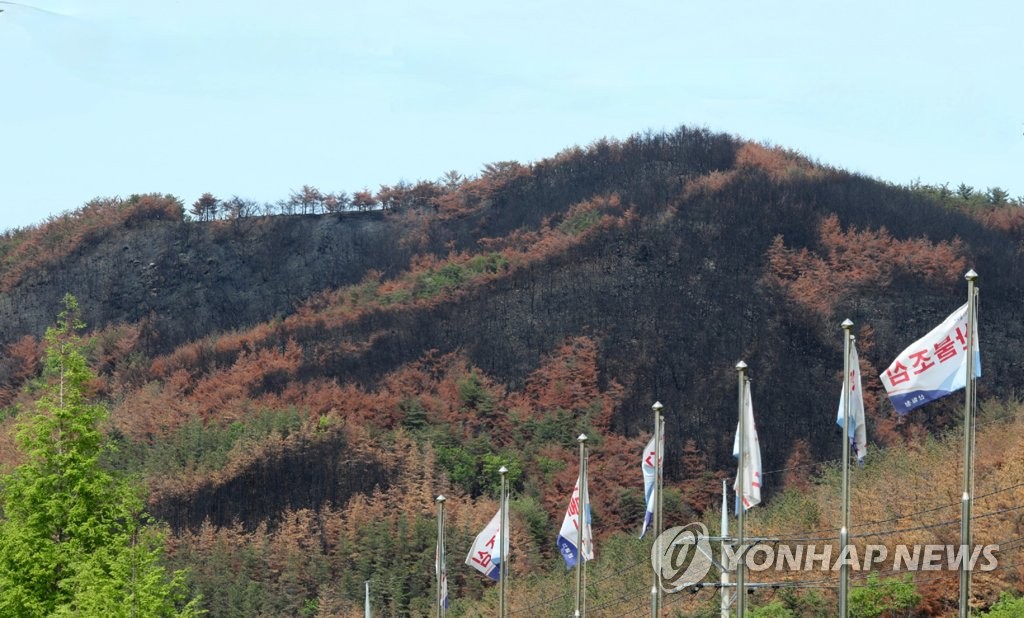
x,y
1005,219
568,380
700,486
778,163
799,466
852,260
22,360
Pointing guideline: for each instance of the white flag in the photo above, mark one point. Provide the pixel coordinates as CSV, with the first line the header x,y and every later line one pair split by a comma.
x,y
650,472
441,570
933,366
857,433
568,535
750,496
485,555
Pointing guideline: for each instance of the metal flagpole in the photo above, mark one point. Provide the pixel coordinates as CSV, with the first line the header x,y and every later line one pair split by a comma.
x,y
844,530
656,518
585,539
741,591
502,535
580,523
966,500
367,602
441,584
725,560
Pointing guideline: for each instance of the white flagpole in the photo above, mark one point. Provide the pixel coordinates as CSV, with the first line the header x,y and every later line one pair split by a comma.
x,y
844,530
367,602
502,535
966,500
580,526
725,561
440,557
741,592
656,518
585,539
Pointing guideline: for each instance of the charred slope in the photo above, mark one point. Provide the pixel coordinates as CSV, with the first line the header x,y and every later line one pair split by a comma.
x,y
185,280
190,279
312,474
676,300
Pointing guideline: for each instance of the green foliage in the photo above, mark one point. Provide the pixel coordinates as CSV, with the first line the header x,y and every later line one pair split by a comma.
x,y
775,609
488,263
807,603
676,509
557,426
434,281
473,395
200,446
1008,606
548,466
579,222
415,415
473,466
366,292
793,507
965,196
632,500
493,462
883,595
461,467
537,521
997,196
75,540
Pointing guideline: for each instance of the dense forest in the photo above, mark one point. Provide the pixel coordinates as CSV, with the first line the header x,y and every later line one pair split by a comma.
x,y
294,383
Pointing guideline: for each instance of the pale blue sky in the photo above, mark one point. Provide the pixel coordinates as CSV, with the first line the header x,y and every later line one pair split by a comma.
x,y
256,98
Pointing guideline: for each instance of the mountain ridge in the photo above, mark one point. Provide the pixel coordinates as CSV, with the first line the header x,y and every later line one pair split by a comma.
x,y
652,264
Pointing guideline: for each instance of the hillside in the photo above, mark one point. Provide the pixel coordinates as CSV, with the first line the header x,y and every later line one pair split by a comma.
x,y
324,376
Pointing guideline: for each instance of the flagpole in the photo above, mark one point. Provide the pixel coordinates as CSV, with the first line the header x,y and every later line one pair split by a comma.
x,y
741,593
844,530
966,500
585,539
657,524
580,527
502,534
440,557
366,605
725,561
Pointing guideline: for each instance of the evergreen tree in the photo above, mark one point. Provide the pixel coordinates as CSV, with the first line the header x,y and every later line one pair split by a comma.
x,y
74,539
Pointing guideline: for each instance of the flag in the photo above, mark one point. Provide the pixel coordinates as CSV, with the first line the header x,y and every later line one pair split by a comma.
x,y
650,472
442,575
568,535
751,493
485,555
858,431
933,366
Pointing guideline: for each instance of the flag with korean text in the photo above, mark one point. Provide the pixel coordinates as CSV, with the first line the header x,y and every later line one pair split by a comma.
x,y
485,555
857,432
933,366
650,472
568,535
750,495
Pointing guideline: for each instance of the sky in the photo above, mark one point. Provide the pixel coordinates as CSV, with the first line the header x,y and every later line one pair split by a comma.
x,y
257,98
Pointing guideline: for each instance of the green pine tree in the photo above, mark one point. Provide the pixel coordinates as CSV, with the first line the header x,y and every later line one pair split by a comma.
x,y
74,538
